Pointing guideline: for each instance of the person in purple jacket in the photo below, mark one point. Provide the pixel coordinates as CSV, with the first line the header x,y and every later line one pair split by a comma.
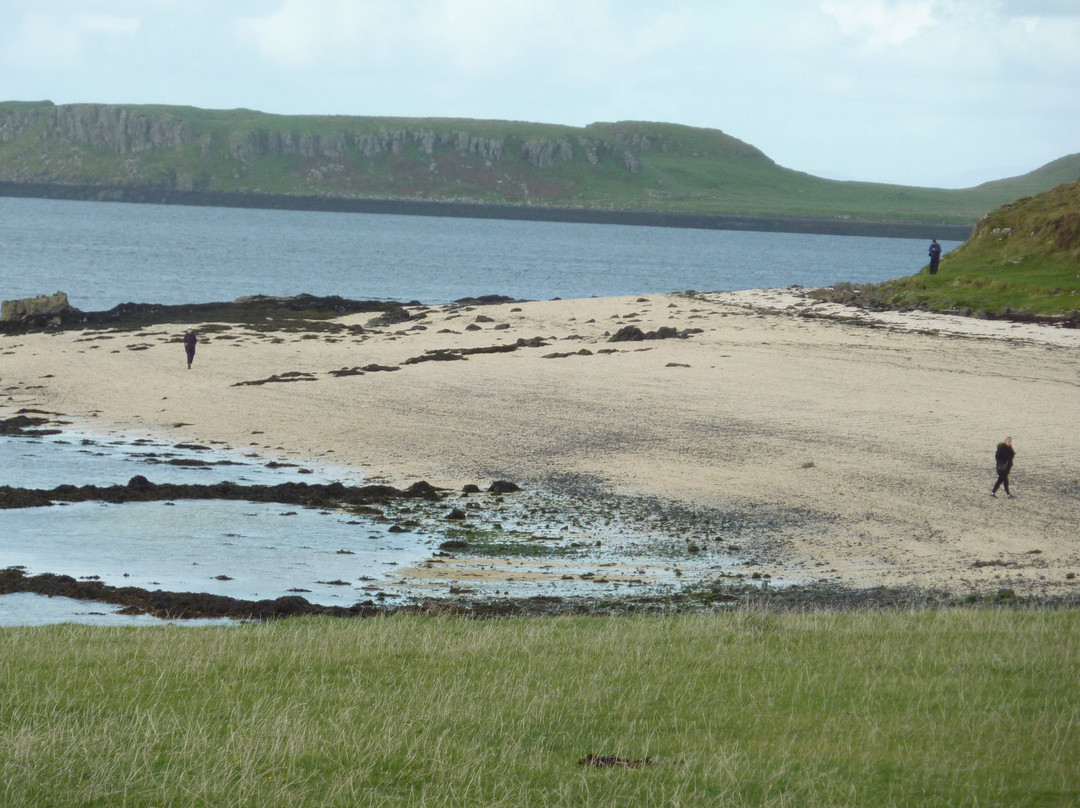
x,y
190,341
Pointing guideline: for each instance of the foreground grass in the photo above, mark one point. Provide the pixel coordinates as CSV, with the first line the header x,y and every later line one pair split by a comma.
x,y
931,708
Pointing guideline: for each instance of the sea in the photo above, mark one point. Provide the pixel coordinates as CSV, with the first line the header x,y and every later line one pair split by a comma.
x,y
102,254
105,253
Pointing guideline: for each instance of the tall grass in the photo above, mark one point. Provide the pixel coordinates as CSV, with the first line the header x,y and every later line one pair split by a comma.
x,y
929,708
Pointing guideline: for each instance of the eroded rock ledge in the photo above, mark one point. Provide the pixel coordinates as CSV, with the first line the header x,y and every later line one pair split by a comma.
x,y
54,313
140,489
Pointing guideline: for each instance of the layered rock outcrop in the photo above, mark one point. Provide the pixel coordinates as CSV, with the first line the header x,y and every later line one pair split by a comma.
x,y
41,309
250,145
544,153
122,130
118,129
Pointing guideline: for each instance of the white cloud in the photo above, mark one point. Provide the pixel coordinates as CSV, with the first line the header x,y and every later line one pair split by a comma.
x,y
473,37
60,41
475,58
881,23
301,34
106,26
1038,8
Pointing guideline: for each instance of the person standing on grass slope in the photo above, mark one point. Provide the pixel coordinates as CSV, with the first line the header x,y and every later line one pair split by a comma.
x,y
190,341
1004,459
935,256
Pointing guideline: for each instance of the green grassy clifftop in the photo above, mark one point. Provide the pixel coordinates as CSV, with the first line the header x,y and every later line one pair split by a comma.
x,y
1023,257
627,166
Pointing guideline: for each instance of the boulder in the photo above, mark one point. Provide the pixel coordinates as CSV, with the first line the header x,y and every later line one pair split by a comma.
x,y
628,333
631,333
30,309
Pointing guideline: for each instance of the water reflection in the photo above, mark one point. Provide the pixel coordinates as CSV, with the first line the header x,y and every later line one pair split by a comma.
x,y
82,458
243,550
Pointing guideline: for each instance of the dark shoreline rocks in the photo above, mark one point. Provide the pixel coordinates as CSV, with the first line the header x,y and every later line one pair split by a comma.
x,y
631,333
260,310
140,489
714,598
860,296
173,605
28,424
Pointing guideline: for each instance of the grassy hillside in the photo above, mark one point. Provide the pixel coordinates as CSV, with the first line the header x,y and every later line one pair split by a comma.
x,y
1022,257
612,166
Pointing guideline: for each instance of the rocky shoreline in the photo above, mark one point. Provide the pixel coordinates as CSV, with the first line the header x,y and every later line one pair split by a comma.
x,y
814,597
724,592
859,297
315,314
55,314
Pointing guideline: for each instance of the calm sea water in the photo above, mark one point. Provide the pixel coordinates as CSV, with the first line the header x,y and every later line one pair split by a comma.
x,y
103,254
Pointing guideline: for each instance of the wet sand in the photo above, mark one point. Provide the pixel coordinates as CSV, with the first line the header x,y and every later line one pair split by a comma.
x,y
879,431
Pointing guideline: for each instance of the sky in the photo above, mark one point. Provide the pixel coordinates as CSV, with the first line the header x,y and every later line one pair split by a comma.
x,y
943,93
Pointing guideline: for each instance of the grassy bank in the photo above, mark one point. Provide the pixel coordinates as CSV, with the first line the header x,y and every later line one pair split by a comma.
x,y
928,708
1023,257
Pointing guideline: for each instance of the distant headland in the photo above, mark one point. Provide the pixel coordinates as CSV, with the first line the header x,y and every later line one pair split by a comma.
x,y
628,172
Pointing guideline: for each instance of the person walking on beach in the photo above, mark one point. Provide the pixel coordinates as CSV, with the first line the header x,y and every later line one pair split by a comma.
x,y
1004,459
935,256
189,345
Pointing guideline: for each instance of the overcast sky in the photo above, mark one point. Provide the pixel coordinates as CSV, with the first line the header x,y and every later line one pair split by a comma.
x,y
946,93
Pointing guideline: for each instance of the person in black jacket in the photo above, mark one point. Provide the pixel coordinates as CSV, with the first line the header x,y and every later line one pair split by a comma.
x,y
1004,459
935,256
189,345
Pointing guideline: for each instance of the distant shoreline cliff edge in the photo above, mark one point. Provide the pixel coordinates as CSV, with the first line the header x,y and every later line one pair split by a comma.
x,y
476,210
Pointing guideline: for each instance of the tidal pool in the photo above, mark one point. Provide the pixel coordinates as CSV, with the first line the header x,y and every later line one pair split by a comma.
x,y
80,457
239,549
245,550
460,548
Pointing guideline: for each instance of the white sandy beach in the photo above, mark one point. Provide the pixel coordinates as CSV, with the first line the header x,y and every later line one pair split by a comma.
x,y
882,427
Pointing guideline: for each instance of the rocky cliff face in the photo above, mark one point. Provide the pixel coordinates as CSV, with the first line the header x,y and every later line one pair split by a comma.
x,y
119,130
250,145
543,153
113,129
393,141
14,123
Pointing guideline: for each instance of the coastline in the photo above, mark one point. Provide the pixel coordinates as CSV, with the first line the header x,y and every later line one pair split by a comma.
x,y
876,428
482,210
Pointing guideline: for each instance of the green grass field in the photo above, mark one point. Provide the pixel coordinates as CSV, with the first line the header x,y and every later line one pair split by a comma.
x,y
934,708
